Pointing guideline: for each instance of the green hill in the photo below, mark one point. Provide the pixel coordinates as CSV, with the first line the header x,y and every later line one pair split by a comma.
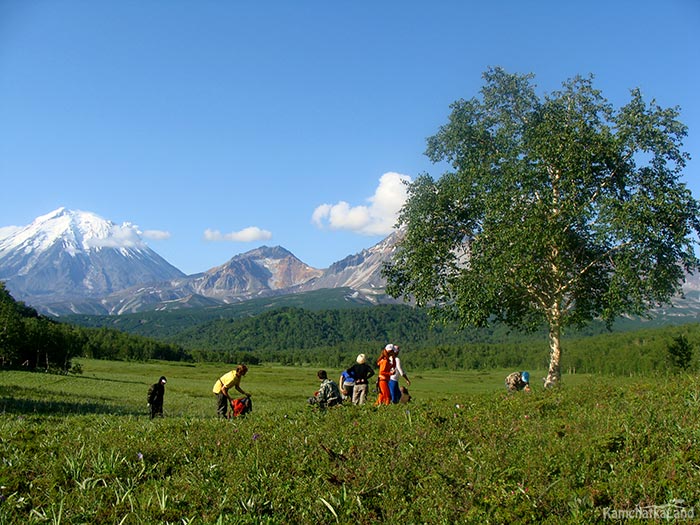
x,y
321,318
166,324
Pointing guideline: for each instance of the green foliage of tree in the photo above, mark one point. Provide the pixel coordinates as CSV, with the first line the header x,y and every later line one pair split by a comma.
x,y
557,210
680,352
11,328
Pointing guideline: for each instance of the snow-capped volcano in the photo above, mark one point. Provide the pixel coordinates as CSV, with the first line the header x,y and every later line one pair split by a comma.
x,y
68,254
76,262
77,231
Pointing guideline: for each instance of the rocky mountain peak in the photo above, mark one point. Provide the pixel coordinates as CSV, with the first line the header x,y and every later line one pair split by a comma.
x,y
72,262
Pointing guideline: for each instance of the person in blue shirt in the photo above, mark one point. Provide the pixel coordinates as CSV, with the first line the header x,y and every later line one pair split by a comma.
x,y
346,383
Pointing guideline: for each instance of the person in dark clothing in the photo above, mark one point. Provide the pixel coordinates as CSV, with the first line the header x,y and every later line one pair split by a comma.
x,y
360,372
156,393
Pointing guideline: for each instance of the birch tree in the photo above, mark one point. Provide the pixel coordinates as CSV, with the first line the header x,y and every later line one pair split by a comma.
x,y
555,210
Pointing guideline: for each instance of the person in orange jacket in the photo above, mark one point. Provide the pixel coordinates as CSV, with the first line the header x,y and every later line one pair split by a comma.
x,y
386,368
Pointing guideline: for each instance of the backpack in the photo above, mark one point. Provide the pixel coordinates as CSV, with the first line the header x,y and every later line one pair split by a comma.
x,y
241,406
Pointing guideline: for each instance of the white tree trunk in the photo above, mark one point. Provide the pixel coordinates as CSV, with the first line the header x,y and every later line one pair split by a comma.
x,y
554,375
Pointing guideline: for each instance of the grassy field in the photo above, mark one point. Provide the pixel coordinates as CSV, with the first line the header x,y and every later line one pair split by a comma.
x,y
81,449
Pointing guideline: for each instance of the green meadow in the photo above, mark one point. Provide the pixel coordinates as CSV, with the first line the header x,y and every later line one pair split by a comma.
x,y
82,449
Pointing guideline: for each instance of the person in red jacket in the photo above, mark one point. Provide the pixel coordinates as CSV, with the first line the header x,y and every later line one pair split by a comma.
x,y
386,368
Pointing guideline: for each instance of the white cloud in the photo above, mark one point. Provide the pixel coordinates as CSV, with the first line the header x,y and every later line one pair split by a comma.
x,y
252,233
156,235
125,236
376,218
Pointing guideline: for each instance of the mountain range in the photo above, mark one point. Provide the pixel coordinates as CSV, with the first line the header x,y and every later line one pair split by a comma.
x,y
75,262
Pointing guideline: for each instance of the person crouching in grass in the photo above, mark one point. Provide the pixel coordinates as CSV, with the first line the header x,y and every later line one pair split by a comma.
x,y
518,381
328,394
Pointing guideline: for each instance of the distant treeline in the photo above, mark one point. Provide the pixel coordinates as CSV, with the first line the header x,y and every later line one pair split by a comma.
x,y
637,352
332,338
31,341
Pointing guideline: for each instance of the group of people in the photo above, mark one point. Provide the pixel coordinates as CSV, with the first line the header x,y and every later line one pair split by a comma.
x,y
352,385
222,389
390,371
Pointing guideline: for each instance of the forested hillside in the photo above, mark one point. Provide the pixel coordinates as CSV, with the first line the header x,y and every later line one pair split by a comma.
x,y
333,338
31,341
166,324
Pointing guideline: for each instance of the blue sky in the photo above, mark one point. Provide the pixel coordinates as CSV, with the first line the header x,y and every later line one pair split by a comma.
x,y
220,126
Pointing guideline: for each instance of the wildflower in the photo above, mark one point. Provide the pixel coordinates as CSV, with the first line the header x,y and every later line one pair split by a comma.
x,y
139,456
256,437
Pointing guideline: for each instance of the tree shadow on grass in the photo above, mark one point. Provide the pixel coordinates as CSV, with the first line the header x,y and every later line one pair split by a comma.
x,y
21,400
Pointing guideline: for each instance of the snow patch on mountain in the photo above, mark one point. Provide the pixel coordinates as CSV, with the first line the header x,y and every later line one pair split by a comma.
x,y
76,231
68,254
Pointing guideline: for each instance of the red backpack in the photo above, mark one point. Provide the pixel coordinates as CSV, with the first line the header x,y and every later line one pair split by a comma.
x,y
241,406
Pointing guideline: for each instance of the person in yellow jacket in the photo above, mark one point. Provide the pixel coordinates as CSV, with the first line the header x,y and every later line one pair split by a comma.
x,y
224,384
